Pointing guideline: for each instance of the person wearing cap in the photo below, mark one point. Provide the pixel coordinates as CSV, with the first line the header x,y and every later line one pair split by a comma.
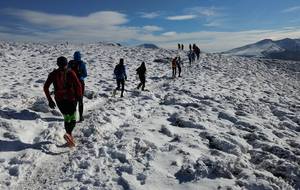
x,y
67,91
79,67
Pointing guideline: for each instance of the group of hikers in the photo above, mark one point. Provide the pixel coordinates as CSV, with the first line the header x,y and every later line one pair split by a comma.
x,y
180,47
69,86
194,51
121,76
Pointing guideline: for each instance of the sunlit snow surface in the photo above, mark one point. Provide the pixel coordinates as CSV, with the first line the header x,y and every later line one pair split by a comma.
x,y
228,123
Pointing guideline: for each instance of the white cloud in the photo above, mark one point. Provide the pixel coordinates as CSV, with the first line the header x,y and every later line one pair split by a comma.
x,y
96,27
204,11
290,28
152,28
103,25
150,15
213,24
209,14
97,19
169,34
291,9
181,17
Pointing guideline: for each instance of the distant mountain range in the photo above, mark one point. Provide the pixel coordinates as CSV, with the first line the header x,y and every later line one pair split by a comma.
x,y
286,49
150,46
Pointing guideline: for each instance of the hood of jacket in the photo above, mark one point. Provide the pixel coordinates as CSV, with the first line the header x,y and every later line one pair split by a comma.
x,y
77,56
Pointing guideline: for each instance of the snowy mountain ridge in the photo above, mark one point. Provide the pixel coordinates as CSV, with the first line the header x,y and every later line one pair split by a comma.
x,y
150,46
228,123
286,49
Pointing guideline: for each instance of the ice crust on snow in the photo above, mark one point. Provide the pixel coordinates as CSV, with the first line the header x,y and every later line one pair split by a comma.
x,y
228,123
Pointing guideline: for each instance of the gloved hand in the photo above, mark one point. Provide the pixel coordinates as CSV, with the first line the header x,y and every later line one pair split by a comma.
x,y
52,104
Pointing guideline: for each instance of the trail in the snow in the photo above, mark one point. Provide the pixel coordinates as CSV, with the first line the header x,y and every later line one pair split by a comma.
x,y
229,122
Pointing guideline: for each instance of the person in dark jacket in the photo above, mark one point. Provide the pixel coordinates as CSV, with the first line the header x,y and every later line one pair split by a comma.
x,y
196,50
178,63
67,91
191,56
174,65
120,73
79,67
141,71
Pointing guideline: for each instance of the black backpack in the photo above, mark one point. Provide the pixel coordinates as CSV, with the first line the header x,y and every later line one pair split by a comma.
x,y
75,66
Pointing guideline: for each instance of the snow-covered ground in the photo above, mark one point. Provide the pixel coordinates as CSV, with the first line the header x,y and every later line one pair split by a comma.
x,y
228,123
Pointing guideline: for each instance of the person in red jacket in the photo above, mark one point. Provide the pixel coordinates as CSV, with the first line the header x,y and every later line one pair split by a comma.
x,y
67,90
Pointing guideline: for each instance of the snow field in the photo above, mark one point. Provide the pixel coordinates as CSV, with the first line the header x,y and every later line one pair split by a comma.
x,y
228,123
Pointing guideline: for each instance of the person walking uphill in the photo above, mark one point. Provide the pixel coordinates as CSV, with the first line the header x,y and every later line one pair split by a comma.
x,y
121,76
141,71
67,90
174,64
178,63
196,50
79,67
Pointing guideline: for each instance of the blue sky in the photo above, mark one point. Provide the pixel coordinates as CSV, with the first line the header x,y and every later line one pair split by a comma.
x,y
215,25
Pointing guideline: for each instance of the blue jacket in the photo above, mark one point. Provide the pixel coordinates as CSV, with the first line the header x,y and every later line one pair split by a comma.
x,y
120,72
82,65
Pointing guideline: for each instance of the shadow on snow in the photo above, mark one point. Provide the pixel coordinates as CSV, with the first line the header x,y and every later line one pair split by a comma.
x,y
17,145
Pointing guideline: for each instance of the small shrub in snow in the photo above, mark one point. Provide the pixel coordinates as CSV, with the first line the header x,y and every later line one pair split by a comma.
x,y
5,125
184,121
203,169
227,116
40,105
163,60
169,99
14,171
122,157
124,168
166,131
10,135
89,94
221,144
124,183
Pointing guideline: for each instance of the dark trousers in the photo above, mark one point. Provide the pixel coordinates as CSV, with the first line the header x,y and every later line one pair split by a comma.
x,y
68,109
179,71
142,83
80,101
174,71
119,83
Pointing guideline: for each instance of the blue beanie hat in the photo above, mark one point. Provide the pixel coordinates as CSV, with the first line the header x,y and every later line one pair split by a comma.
x,y
77,56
